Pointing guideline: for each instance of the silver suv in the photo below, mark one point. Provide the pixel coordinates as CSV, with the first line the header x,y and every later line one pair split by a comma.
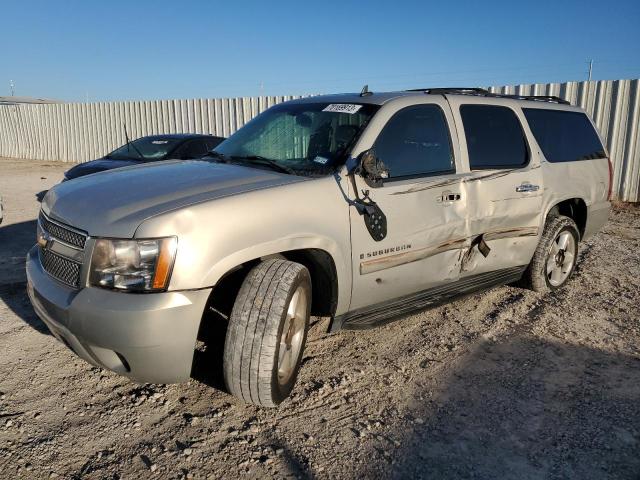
x,y
358,207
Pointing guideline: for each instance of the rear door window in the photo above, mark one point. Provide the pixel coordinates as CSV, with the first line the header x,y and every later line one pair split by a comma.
x,y
415,142
495,138
564,136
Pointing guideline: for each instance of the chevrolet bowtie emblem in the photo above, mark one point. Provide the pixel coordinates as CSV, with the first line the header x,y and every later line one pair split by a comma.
x,y
44,239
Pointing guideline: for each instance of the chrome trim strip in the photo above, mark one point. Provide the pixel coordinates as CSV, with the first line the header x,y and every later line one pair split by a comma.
x,y
377,264
62,225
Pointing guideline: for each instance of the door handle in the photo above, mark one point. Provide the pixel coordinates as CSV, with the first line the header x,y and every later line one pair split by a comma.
x,y
448,197
527,187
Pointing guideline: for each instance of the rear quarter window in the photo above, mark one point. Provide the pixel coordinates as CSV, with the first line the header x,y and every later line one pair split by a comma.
x,y
564,136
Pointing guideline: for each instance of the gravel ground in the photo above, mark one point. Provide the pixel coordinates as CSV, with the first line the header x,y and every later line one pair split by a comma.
x,y
503,384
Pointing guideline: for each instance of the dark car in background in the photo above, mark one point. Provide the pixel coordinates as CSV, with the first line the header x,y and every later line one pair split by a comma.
x,y
183,146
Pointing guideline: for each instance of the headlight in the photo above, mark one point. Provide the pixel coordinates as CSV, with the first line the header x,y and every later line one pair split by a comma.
x,y
133,265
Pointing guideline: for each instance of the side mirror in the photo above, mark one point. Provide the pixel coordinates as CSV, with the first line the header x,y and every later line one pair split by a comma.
x,y
372,169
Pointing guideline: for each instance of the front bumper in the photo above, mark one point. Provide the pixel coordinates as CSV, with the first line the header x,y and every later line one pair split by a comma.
x,y
147,337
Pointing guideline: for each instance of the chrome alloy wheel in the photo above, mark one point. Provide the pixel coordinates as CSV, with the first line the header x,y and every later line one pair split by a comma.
x,y
292,335
561,256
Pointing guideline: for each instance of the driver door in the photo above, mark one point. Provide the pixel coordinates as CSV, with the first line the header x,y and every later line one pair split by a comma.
x,y
423,203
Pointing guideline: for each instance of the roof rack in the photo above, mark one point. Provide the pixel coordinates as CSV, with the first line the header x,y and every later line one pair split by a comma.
x,y
481,92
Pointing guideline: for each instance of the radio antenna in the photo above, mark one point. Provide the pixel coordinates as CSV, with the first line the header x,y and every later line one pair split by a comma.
x,y
365,91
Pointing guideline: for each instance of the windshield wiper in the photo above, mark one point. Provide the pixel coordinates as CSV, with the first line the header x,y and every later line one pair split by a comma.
x,y
264,161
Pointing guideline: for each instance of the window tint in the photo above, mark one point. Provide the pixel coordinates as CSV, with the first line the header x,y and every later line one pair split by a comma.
x,y
145,148
564,136
192,149
213,142
416,141
494,137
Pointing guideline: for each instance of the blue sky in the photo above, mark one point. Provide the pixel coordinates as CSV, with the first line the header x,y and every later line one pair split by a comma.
x,y
127,50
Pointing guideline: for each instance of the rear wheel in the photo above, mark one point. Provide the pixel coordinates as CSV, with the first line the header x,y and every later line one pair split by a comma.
x,y
267,332
556,255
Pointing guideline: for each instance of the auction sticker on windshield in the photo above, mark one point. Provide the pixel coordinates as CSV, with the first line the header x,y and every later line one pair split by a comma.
x,y
342,108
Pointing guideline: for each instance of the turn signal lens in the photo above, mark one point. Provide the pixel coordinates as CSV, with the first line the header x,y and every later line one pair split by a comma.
x,y
165,263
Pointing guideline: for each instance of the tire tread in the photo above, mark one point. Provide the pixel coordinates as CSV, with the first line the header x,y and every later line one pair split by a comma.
x,y
252,336
533,277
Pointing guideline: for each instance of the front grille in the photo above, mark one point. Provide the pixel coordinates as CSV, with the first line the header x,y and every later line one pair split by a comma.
x,y
54,260
64,234
63,269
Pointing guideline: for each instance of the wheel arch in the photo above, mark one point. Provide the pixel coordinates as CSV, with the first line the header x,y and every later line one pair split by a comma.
x,y
326,280
574,208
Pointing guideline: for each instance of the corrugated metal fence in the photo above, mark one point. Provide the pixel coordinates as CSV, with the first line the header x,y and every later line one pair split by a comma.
x,y
79,132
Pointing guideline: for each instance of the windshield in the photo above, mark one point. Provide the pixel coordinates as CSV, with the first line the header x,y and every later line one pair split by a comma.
x,y
302,138
151,148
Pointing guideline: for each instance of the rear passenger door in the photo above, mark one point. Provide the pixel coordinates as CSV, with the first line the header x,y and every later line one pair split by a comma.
x,y
421,201
502,184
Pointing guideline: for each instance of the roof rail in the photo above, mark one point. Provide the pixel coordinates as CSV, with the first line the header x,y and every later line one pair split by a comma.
x,y
452,90
481,92
544,98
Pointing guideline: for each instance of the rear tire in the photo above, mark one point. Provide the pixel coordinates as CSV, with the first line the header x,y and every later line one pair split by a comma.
x,y
267,332
555,257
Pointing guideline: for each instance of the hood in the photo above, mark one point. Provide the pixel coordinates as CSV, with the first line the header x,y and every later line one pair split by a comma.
x,y
99,165
115,203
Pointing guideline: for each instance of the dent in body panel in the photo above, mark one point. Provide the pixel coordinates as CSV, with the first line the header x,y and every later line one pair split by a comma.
x,y
468,243
484,219
420,220
508,219
378,264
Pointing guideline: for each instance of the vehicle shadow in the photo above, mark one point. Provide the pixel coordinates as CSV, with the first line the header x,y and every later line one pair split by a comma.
x,y
207,359
15,241
521,408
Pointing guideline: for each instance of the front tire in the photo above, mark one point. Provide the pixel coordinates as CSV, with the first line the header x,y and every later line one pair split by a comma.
x,y
555,257
267,332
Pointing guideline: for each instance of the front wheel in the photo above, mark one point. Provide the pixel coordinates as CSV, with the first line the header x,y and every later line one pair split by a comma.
x,y
555,257
267,332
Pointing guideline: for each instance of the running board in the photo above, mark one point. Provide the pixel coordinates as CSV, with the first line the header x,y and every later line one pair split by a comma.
x,y
381,313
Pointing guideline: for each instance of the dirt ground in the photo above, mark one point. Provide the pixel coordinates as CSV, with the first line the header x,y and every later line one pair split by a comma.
x,y
502,384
